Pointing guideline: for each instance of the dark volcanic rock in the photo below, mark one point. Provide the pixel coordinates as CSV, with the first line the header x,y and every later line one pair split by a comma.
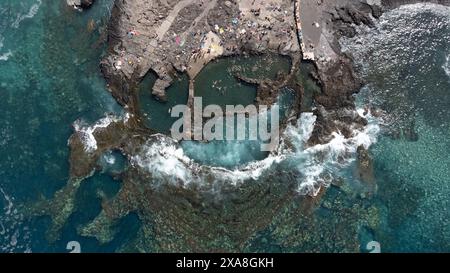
x,y
86,3
365,171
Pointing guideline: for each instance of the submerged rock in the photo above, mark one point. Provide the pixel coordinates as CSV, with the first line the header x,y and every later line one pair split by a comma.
x,y
365,171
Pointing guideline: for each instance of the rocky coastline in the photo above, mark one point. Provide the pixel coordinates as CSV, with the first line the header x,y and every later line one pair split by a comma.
x,y
166,37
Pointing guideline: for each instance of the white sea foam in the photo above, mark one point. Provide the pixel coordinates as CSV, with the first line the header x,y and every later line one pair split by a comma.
x,y
75,4
14,235
110,159
87,132
385,47
30,14
446,65
317,165
165,159
4,57
9,203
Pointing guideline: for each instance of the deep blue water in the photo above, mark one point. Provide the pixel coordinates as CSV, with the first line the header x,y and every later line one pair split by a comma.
x,y
49,77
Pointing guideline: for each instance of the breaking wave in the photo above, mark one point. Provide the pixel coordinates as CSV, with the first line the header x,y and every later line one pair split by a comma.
x,y
166,161
109,158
